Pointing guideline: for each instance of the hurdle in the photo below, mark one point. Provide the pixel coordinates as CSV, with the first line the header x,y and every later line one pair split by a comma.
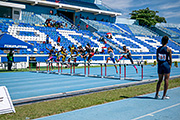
x,y
86,67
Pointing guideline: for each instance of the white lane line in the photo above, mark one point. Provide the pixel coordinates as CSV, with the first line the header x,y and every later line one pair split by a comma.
x,y
151,114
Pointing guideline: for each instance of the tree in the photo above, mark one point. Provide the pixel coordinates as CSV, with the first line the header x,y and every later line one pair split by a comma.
x,y
147,17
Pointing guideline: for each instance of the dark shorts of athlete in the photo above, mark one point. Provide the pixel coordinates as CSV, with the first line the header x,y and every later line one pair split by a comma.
x,y
164,68
130,58
113,59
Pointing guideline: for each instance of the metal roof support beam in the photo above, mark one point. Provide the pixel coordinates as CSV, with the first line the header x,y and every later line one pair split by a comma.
x,y
35,3
78,10
96,13
70,7
60,6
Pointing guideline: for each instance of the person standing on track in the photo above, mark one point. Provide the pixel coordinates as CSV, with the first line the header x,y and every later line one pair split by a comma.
x,y
111,57
10,58
127,54
164,59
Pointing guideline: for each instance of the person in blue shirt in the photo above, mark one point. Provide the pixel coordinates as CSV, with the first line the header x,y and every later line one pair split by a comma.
x,y
52,56
164,59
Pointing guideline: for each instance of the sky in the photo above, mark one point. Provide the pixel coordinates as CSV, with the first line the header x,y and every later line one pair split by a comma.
x,y
170,9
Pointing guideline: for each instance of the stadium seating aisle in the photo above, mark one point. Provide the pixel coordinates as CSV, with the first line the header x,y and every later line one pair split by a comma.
x,y
139,30
30,17
169,32
102,26
174,29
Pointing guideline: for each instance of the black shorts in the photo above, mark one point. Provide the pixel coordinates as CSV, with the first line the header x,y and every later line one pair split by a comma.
x,y
164,68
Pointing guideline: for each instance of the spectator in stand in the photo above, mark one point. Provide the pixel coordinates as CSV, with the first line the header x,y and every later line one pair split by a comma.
x,y
44,44
95,18
87,26
51,12
66,25
58,40
47,39
57,1
102,19
61,26
109,35
72,26
57,26
96,52
49,24
87,18
102,51
101,39
80,16
78,26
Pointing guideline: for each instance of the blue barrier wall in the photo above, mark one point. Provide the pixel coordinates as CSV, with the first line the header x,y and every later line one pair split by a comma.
x,y
16,59
42,58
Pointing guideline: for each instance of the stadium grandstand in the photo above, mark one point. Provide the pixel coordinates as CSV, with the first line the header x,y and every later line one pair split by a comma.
x,y
78,22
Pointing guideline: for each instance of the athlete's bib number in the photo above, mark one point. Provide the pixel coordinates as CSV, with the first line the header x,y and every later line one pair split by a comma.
x,y
162,57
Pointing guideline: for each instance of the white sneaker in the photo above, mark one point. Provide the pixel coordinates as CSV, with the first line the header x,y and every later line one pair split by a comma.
x,y
166,98
157,97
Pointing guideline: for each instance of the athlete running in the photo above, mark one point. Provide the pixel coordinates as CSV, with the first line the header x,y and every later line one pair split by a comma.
x,y
73,55
127,55
111,57
52,55
90,52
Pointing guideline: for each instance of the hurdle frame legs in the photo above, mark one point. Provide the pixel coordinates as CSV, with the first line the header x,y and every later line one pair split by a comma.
x,y
124,71
47,68
74,68
105,65
142,72
120,72
87,71
101,71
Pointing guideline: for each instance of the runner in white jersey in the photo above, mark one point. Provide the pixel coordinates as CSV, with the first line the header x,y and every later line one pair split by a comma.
x,y
111,57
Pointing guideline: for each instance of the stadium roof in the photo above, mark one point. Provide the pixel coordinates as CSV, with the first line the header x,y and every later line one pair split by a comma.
x,y
14,5
70,7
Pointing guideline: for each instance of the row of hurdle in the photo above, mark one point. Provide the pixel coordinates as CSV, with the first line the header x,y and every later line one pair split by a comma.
x,y
86,69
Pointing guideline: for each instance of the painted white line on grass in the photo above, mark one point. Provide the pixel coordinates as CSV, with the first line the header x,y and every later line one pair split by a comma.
x,y
151,114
